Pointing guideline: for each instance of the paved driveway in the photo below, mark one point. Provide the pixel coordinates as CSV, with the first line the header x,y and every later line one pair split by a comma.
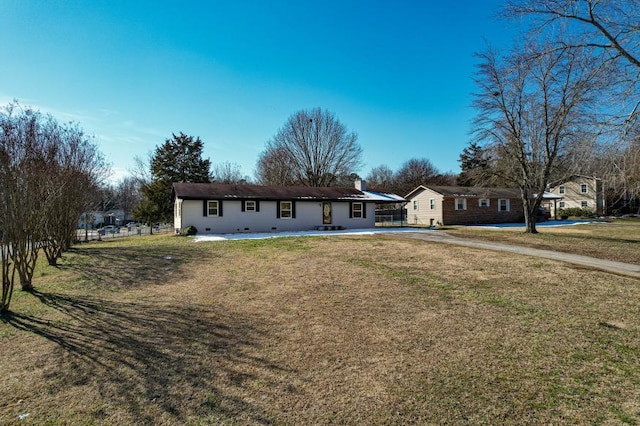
x,y
620,268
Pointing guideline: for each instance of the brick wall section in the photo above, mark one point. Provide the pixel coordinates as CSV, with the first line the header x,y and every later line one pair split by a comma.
x,y
481,215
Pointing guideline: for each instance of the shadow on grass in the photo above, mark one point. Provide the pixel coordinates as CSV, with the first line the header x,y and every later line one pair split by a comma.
x,y
130,267
158,363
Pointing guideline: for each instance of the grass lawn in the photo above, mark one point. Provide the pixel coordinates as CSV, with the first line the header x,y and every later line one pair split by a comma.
x,y
617,239
321,330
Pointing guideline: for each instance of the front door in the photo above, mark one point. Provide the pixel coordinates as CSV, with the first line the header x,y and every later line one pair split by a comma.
x,y
326,213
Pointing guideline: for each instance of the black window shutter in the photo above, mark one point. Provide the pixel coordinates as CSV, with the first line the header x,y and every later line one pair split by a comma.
x,y
278,209
242,204
364,210
220,208
205,210
350,210
293,210
257,205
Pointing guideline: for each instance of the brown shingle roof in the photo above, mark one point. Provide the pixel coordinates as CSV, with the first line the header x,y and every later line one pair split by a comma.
x,y
474,191
209,191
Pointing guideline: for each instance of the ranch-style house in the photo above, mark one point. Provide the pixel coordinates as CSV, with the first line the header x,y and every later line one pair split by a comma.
x,y
459,205
231,208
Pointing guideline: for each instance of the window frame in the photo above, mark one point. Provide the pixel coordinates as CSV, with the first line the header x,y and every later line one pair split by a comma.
x,y
561,189
457,201
248,203
507,205
415,204
488,202
432,203
289,210
584,204
354,212
584,188
209,208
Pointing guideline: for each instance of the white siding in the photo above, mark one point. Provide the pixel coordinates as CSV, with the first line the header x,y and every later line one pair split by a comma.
x,y
233,219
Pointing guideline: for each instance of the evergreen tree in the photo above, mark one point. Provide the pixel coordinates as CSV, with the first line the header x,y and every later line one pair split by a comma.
x,y
473,165
179,159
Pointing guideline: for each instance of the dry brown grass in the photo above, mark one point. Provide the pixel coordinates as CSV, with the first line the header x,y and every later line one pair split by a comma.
x,y
617,240
321,331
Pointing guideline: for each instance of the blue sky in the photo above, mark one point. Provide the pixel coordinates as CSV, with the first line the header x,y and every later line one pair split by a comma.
x,y
400,74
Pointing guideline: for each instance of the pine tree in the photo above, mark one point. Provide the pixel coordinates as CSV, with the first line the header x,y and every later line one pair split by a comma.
x,y
179,159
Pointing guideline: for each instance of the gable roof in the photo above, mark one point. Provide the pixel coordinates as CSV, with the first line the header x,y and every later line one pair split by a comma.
x,y
213,191
573,178
469,191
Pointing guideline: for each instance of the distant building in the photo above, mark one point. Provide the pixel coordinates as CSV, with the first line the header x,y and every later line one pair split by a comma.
x,y
95,219
459,205
585,192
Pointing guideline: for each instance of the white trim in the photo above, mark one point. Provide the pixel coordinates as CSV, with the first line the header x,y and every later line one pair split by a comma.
x,y
458,201
210,208
359,214
487,204
289,210
507,204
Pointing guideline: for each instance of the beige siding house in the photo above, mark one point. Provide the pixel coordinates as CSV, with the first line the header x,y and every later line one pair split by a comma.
x,y
228,208
585,192
458,205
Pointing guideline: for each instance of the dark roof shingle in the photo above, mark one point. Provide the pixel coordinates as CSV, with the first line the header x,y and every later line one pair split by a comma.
x,y
204,191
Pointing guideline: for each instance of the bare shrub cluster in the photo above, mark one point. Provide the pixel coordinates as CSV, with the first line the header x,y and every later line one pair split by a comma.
x,y
47,170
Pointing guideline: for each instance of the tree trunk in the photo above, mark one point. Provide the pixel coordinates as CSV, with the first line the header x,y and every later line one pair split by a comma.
x,y
530,211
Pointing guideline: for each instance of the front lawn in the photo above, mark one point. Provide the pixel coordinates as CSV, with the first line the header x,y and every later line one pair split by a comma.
x,y
617,239
319,330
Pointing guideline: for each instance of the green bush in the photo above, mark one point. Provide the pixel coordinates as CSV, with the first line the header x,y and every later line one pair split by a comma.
x,y
576,212
190,230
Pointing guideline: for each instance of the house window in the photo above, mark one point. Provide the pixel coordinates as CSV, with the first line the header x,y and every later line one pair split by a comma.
x,y
584,204
356,210
561,189
250,206
415,204
285,209
432,203
584,188
503,205
562,204
461,203
484,202
213,208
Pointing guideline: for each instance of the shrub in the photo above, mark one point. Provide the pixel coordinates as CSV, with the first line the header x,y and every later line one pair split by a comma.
x,y
576,212
190,230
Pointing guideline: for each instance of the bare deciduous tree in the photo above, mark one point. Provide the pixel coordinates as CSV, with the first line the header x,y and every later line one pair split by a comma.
x,y
315,148
413,173
272,168
381,178
610,31
75,172
44,169
227,172
534,115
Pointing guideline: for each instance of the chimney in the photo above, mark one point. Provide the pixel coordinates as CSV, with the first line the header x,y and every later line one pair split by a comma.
x,y
361,185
